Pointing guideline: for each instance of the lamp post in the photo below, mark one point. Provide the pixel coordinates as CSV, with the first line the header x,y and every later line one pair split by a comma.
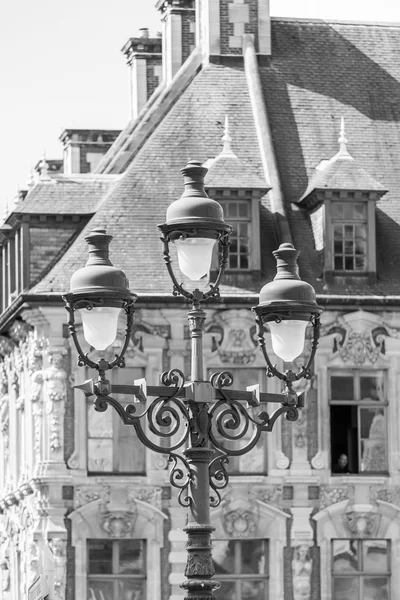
x,y
201,418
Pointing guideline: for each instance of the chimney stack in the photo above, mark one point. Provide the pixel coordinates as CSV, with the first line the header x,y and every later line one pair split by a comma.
x,y
178,35
84,148
144,58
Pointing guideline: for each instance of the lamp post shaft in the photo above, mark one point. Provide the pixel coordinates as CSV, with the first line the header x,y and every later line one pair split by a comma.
x,y
196,318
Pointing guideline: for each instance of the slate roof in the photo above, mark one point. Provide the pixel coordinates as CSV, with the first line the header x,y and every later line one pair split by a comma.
x,y
66,195
229,172
191,130
319,72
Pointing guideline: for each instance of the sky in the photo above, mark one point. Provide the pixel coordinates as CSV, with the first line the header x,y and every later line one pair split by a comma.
x,y
61,67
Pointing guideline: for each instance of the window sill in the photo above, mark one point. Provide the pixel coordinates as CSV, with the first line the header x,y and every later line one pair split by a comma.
x,y
357,478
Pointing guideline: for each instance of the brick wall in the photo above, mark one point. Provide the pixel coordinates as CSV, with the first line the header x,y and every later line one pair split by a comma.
x,y
237,18
154,74
188,33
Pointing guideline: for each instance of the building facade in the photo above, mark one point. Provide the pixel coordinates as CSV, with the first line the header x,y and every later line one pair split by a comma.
x,y
298,124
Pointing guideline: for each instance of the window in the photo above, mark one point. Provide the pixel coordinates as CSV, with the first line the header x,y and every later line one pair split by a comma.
x,y
254,461
242,568
116,570
361,569
349,224
112,446
358,407
238,214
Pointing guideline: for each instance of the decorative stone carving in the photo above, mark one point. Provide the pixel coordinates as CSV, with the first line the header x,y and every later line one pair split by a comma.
x,y
233,336
58,547
151,495
317,461
55,380
332,495
301,572
281,460
240,523
33,562
362,524
391,495
6,345
267,494
19,331
159,462
118,524
5,578
87,493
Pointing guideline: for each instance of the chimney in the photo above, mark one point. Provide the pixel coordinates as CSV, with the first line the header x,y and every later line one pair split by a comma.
x,y
144,58
178,35
221,25
84,148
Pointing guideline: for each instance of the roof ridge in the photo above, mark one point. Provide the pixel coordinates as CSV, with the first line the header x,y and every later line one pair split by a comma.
x,y
327,21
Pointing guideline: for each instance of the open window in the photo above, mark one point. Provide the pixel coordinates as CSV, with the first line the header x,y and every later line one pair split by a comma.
x,y
358,421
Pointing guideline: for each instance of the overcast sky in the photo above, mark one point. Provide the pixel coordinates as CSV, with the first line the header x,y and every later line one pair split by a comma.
x,y
61,67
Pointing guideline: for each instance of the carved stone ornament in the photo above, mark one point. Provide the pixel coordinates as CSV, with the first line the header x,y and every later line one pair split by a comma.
x,y
118,524
359,337
390,495
268,494
240,523
317,461
282,462
55,379
200,565
5,577
331,495
19,331
301,573
151,495
159,462
233,336
90,493
58,547
6,345
362,524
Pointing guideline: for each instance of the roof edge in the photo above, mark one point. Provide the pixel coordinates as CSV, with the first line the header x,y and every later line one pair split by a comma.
x,y
333,21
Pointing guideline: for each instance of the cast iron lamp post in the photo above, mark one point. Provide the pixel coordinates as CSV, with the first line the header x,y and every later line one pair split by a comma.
x,y
200,417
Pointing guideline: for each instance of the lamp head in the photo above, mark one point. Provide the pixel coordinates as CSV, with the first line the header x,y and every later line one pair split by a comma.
x,y
99,291
194,223
287,304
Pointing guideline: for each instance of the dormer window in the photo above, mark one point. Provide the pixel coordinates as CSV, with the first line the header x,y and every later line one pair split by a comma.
x,y
341,199
238,188
350,235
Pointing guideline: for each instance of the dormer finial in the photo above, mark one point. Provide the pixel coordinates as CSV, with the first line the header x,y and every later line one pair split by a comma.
x,y
227,140
343,141
44,168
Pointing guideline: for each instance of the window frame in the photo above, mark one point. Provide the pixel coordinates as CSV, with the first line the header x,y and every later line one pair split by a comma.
x,y
359,403
369,221
253,198
114,576
114,438
237,577
361,574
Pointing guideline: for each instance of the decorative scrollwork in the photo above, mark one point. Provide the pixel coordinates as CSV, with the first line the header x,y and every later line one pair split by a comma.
x,y
218,477
180,478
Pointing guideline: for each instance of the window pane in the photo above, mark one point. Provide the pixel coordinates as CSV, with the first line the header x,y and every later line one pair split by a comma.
x,y
348,263
348,231
244,209
100,455
375,588
100,557
337,210
373,439
227,591
129,590
338,247
372,388
345,588
253,557
359,210
252,590
131,557
345,556
338,232
338,264
99,423
375,556
223,557
342,388
100,590
360,263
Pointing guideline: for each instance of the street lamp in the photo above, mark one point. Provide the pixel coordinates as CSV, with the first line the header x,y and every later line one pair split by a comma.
x,y
200,417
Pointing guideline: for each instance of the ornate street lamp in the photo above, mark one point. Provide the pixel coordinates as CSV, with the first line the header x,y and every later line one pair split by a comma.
x,y
200,417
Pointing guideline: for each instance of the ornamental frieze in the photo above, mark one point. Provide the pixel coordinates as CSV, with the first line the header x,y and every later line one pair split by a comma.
x,y
151,495
390,495
233,336
333,494
268,494
89,493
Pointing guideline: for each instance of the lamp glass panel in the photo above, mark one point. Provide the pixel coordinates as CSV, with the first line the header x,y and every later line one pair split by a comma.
x,y
100,325
288,338
194,256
